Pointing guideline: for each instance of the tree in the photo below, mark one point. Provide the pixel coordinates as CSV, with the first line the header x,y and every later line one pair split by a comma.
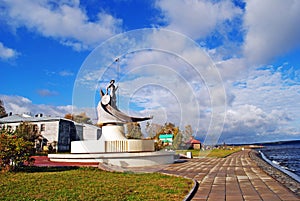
x,y
168,128
69,116
2,109
188,132
14,149
134,131
152,129
27,131
79,118
177,140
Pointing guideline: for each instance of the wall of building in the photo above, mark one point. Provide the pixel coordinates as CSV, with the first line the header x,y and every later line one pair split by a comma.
x,y
11,126
58,132
50,131
91,132
79,130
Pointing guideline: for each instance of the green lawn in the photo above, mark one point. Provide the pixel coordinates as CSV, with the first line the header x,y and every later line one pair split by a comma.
x,y
219,153
90,184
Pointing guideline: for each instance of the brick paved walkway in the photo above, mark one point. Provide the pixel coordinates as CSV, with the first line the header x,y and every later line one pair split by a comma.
x,y
44,161
233,178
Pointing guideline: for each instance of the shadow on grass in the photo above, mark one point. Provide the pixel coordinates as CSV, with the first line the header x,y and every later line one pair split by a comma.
x,y
32,169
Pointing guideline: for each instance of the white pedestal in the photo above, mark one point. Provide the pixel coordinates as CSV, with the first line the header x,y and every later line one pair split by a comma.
x,y
141,159
112,140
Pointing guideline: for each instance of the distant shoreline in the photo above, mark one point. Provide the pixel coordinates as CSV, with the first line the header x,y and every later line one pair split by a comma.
x,y
277,174
265,143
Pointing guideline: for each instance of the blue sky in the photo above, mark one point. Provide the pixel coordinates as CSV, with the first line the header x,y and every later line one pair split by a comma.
x,y
254,45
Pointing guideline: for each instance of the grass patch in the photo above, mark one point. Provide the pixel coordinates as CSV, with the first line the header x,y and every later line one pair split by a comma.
x,y
218,153
90,184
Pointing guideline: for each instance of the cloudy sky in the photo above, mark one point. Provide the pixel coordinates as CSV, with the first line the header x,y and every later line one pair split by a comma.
x,y
51,55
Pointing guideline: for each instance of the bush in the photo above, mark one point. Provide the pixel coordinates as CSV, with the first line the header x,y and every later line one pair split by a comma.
x,y
14,150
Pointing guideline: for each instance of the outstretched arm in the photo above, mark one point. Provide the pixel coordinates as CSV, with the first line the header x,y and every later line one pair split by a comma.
x,y
108,88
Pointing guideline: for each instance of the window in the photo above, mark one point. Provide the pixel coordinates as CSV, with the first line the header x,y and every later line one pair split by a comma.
x,y
43,127
9,128
35,127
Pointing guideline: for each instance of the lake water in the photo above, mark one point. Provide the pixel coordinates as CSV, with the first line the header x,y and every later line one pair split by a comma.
x,y
285,156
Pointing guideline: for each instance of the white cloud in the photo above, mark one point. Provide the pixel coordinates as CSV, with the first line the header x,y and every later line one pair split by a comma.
x,y
47,92
19,105
22,105
249,123
272,29
261,34
66,21
197,19
7,53
265,107
269,89
232,69
66,73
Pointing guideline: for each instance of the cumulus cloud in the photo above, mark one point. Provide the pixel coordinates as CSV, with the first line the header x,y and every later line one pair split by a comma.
x,y
7,53
66,21
196,19
269,88
233,68
47,92
272,29
22,105
265,107
19,105
249,123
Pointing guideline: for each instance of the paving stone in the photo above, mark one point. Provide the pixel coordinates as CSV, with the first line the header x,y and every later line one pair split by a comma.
x,y
234,178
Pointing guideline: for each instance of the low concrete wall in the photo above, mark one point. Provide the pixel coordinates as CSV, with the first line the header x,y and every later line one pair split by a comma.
x,y
141,145
141,159
89,146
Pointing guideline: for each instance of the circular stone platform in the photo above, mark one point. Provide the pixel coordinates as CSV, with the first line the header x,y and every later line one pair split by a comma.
x,y
141,159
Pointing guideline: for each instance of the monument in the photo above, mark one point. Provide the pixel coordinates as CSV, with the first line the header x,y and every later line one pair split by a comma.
x,y
113,147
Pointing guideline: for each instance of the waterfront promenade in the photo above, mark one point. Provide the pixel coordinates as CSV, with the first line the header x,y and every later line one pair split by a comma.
x,y
234,178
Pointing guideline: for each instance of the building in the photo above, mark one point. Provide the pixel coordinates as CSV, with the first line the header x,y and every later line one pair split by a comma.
x,y
194,144
89,132
54,131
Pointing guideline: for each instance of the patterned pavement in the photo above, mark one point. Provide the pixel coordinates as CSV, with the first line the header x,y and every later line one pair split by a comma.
x,y
234,178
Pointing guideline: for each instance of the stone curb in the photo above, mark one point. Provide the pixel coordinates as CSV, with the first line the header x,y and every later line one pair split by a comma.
x,y
192,192
279,176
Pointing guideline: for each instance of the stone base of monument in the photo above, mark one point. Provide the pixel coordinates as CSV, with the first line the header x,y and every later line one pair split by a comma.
x,y
113,148
106,146
112,140
140,159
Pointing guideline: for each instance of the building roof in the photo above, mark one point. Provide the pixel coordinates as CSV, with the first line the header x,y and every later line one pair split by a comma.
x,y
19,118
193,141
16,118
